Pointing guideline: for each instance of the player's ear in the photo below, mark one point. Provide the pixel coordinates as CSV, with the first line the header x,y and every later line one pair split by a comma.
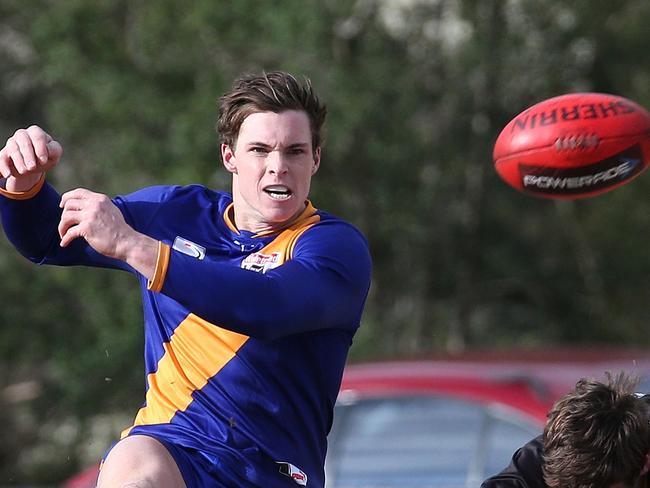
x,y
314,168
228,158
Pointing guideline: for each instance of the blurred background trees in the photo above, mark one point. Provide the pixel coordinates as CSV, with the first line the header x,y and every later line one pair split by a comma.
x,y
417,92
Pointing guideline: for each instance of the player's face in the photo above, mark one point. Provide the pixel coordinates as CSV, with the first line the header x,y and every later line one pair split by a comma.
x,y
272,164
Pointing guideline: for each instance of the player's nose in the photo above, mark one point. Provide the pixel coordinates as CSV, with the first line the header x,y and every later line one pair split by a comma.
x,y
276,163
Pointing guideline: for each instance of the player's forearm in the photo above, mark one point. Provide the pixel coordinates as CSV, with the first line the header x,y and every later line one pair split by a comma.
x,y
29,221
141,253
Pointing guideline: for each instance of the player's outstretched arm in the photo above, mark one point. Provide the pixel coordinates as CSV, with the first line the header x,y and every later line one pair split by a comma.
x,y
31,211
323,286
26,157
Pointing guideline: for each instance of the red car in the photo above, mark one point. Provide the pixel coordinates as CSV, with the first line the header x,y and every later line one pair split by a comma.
x,y
448,422
453,422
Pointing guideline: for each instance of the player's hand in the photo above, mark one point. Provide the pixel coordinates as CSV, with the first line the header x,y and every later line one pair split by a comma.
x,y
95,218
26,156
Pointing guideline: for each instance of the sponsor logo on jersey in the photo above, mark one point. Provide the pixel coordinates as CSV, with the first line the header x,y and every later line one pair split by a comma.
x,y
188,247
608,172
261,263
293,472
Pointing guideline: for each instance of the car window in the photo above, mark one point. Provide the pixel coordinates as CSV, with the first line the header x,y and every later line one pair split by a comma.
x,y
644,385
419,441
505,432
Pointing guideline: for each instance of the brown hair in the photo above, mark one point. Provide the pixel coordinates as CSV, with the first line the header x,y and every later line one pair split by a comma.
x,y
276,91
597,435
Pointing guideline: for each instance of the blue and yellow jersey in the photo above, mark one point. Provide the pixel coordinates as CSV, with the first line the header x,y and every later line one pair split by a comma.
x,y
246,335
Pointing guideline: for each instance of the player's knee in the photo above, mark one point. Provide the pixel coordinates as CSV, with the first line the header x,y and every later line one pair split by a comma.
x,y
140,462
128,483
137,484
131,483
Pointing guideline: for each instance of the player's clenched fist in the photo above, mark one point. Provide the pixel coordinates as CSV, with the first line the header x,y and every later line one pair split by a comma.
x,y
26,156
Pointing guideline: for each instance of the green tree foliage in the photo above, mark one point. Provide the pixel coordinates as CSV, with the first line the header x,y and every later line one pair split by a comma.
x,y
417,92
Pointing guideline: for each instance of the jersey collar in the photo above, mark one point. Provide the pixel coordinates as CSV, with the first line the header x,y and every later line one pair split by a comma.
x,y
229,219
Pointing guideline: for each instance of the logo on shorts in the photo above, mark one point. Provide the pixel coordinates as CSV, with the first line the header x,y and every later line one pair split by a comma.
x,y
261,263
188,247
293,472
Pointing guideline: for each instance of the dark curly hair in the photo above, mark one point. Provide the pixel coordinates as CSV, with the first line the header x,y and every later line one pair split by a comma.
x,y
597,435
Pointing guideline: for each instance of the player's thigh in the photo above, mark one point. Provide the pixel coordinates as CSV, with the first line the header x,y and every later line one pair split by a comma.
x,y
140,462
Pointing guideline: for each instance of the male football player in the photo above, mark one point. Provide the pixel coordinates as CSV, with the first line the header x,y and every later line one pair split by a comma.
x,y
250,298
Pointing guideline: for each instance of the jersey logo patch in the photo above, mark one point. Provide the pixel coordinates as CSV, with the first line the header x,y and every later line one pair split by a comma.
x,y
189,248
296,474
261,263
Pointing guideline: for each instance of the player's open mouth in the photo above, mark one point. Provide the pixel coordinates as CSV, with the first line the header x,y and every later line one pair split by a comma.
x,y
278,192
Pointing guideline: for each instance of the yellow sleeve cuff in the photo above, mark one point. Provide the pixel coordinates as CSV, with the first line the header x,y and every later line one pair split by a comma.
x,y
24,195
162,263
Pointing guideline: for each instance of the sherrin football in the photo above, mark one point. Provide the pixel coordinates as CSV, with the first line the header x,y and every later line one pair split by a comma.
x,y
574,146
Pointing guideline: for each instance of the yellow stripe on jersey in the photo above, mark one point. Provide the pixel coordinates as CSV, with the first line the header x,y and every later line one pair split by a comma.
x,y
197,351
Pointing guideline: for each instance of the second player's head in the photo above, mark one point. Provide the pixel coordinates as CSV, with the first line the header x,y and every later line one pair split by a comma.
x,y
597,436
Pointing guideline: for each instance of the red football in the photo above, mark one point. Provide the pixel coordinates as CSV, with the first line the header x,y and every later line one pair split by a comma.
x,y
574,146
